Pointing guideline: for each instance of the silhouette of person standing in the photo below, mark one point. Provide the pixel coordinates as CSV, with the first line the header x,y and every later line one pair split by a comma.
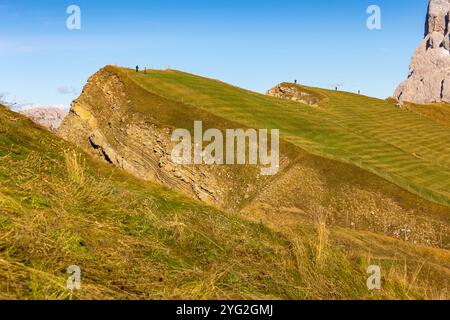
x,y
137,68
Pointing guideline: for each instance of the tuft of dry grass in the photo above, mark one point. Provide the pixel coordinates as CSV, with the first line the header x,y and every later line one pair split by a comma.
x,y
75,166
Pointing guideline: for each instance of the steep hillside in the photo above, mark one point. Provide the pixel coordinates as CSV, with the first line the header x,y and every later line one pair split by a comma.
x,y
138,240
338,157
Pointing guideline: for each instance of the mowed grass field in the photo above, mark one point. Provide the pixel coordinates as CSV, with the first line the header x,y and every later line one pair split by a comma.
x,y
401,146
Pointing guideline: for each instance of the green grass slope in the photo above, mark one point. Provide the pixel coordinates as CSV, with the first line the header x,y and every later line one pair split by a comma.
x,y
136,240
402,147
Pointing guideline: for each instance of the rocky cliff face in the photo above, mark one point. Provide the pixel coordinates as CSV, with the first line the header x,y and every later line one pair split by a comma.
x,y
50,118
429,74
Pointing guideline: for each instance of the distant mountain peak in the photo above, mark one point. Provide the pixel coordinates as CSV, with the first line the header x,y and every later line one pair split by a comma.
x,y
429,73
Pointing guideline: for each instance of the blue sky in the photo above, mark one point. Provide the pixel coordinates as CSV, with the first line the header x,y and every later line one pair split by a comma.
x,y
251,44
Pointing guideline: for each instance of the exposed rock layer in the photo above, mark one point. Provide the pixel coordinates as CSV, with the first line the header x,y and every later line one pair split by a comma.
x,y
429,73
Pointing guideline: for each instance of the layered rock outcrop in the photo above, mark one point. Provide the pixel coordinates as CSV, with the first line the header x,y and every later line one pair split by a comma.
x,y
429,73
123,123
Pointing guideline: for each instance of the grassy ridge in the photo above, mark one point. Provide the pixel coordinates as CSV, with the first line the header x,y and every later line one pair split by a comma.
x,y
135,240
402,147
